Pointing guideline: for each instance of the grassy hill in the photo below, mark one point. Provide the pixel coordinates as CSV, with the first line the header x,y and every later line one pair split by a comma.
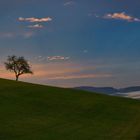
x,y
35,112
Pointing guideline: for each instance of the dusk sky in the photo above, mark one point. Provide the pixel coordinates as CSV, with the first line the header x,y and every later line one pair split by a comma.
x,y
73,43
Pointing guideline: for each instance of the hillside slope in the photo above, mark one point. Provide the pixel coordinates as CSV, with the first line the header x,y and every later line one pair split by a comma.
x,y
35,112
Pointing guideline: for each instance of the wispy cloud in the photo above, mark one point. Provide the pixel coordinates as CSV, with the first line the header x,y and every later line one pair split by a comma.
x,y
10,35
93,14
80,76
58,72
28,34
85,51
33,19
36,26
7,35
51,58
69,3
121,16
66,71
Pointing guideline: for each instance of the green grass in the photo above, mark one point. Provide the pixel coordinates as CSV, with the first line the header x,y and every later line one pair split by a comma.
x,y
35,112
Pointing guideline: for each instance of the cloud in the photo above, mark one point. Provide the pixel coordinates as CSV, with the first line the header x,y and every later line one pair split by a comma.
x,y
11,35
54,69
122,16
7,35
59,73
36,26
93,14
69,3
51,58
79,76
85,51
40,58
66,71
33,19
28,34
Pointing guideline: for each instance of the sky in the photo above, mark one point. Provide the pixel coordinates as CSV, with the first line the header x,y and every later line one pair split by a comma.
x,y
73,43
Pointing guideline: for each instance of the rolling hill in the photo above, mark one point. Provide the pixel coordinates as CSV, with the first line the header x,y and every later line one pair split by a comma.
x,y
36,112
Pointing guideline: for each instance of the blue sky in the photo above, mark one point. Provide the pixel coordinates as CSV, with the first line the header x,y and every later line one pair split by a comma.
x,y
73,42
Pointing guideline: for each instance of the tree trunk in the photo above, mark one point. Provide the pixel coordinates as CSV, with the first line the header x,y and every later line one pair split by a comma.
x,y
17,77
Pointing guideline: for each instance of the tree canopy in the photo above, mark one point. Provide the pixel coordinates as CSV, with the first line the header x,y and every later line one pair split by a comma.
x,y
18,65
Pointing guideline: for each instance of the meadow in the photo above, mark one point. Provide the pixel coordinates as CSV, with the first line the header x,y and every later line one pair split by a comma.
x,y
36,112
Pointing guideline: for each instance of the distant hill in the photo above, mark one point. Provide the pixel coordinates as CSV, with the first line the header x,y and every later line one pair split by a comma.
x,y
109,90
129,89
106,90
37,112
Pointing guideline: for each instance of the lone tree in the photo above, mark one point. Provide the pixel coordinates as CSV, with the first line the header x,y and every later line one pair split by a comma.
x,y
18,65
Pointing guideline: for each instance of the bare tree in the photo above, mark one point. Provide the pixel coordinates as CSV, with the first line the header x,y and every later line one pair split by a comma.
x,y
18,65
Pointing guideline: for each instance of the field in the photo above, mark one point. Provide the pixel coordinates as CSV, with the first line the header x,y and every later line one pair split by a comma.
x,y
36,112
